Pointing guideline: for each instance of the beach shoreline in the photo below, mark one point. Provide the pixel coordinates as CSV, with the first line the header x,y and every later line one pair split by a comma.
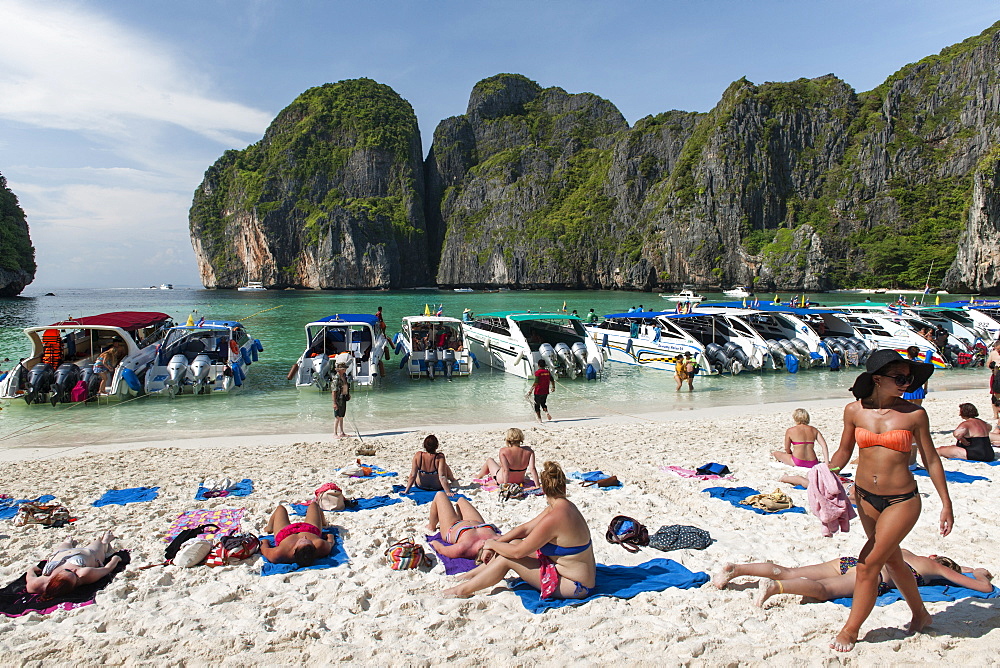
x,y
365,613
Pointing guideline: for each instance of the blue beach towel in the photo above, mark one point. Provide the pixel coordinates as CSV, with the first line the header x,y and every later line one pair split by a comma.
x,y
736,494
120,497
952,476
619,582
932,593
8,507
423,496
593,476
362,504
242,488
337,557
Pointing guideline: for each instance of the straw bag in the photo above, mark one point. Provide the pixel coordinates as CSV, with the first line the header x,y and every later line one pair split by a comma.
x,y
405,555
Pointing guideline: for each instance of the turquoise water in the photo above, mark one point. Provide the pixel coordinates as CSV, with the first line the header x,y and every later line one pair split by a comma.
x,y
269,404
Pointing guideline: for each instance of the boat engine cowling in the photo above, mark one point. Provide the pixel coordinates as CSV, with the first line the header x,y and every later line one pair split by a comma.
x,y
66,377
734,351
566,355
92,380
39,384
777,352
200,368
177,369
579,351
548,353
717,357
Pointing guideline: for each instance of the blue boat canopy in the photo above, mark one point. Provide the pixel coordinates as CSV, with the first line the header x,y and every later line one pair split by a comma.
x,y
776,308
640,314
229,324
346,318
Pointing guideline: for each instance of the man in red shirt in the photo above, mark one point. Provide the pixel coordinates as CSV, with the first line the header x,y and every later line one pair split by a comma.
x,y
544,385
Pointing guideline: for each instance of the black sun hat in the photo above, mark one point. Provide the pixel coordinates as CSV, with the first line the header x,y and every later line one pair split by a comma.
x,y
880,359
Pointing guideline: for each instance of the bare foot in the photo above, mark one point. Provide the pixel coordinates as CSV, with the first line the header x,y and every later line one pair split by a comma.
x,y
454,592
844,642
549,416
919,622
723,577
429,530
768,588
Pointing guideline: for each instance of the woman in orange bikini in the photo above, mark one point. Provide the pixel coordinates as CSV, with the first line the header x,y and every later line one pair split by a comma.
x,y
884,426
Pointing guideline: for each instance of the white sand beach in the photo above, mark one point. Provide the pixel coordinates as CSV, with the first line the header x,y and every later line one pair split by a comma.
x,y
365,613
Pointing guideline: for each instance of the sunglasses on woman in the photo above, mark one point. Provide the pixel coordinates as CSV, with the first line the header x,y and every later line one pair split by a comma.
x,y
901,381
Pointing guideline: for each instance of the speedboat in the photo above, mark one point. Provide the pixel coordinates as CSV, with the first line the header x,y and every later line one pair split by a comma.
x,y
434,345
166,286
893,332
650,339
463,290
810,335
738,292
355,339
252,286
685,296
204,358
514,341
60,367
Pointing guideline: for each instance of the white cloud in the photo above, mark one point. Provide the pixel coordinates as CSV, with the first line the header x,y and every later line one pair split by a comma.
x,y
69,69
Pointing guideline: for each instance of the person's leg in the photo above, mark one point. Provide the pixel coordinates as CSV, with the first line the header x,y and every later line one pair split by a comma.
x,y
840,586
885,532
495,571
783,457
538,408
314,515
442,514
799,480
952,452
774,571
468,512
490,468
902,578
680,382
67,544
278,521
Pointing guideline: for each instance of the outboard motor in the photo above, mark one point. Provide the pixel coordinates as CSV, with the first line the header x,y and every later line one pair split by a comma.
x,y
91,379
777,352
801,346
199,372
177,370
548,353
39,383
66,377
734,351
564,353
579,351
717,357
322,371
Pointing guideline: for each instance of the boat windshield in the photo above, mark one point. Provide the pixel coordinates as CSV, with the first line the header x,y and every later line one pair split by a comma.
x,y
537,332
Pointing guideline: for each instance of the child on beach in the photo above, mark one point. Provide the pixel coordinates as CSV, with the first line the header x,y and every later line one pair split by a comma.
x,y
800,442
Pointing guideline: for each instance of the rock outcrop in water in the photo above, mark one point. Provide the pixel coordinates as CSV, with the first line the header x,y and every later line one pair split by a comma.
x,y
17,255
797,185
331,197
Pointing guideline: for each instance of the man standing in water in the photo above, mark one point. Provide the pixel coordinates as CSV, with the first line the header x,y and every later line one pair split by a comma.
x,y
341,395
544,385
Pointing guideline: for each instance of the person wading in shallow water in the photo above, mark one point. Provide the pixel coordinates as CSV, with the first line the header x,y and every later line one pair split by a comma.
x,y
544,385
341,395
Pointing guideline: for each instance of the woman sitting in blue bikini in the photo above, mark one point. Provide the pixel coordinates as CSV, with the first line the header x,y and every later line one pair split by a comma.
x,y
553,552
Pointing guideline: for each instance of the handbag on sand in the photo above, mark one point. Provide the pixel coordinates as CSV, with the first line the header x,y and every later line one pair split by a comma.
x,y
405,555
628,533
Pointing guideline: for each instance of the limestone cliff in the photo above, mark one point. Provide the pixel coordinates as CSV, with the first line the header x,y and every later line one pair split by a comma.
x,y
17,255
330,197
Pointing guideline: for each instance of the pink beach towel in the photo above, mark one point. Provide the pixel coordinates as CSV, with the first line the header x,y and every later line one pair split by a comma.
x,y
691,473
828,501
489,484
227,519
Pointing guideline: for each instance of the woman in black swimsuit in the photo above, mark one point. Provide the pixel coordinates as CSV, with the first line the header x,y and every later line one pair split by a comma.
x,y
973,437
884,427
429,470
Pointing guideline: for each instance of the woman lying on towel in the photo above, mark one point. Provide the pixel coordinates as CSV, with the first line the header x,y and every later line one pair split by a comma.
x,y
300,543
553,552
461,525
429,471
836,578
515,460
71,566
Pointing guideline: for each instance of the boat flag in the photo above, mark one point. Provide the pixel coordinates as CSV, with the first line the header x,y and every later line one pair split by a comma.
x,y
440,310
564,306
756,303
427,309
190,322
937,299
202,321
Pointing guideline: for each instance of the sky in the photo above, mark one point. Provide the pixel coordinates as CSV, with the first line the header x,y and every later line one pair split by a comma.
x,y
112,110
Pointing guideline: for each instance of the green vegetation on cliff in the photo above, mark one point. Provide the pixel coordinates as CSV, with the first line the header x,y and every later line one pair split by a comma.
x,y
16,251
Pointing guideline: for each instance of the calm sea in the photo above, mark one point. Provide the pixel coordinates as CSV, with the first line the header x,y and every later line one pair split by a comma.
x,y
271,404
